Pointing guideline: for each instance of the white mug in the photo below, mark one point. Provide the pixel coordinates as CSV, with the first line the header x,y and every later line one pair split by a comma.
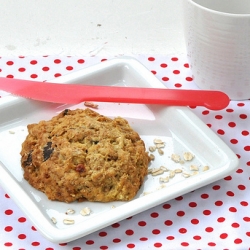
x,y
217,34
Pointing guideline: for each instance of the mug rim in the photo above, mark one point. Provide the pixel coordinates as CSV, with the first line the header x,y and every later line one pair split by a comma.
x,y
218,12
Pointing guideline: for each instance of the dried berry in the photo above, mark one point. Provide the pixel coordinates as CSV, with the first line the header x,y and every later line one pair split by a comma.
x,y
65,112
47,151
80,168
29,159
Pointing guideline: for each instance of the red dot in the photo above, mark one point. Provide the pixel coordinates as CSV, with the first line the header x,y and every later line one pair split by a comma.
x,y
33,62
33,228
57,61
115,225
166,206
131,245
22,219
206,212
154,72
10,76
218,203
179,198
103,247
57,74
35,243
235,225
116,240
8,244
245,132
102,234
189,79
90,242
247,219
33,76
241,187
154,215
164,65
170,238
205,112
218,117
216,187
221,219
69,68
243,116
45,68
186,65
7,196
142,223
9,63
230,193
244,203
228,178
174,59
185,244
233,209
248,234
232,124
165,79
204,196
158,244
143,239
8,228
197,237
21,69
239,171
192,204
195,221
247,148
182,230
241,104
234,141
180,213
156,231
238,241
176,72
129,232
209,229
211,244
151,59
81,61
8,212
220,131
178,85
22,236
104,59
223,235
168,223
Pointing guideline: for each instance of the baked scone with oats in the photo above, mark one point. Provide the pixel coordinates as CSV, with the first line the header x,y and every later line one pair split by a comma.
x,y
81,155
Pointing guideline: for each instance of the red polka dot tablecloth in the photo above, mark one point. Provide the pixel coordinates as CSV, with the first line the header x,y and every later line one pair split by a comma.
x,y
216,216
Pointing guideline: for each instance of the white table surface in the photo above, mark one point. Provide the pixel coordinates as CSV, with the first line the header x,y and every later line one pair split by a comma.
x,y
110,27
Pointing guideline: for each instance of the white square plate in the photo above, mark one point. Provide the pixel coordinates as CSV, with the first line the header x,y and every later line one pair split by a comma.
x,y
178,127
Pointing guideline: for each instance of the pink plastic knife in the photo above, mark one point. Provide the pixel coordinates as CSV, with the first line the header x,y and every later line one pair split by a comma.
x,y
76,93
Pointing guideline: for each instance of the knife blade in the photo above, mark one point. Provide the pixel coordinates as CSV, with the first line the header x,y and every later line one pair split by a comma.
x,y
77,93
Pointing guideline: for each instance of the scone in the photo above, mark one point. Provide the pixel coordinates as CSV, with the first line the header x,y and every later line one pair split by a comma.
x,y
82,155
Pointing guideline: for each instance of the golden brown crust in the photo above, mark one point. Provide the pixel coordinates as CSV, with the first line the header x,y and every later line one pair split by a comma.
x,y
82,155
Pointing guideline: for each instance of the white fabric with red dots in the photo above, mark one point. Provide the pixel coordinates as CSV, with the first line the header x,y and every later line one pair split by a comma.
x,y
216,216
